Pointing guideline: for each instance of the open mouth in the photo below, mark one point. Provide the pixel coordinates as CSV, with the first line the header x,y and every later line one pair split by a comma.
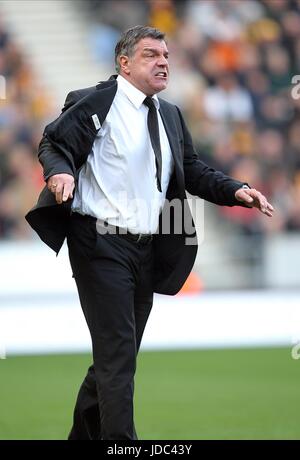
x,y
161,74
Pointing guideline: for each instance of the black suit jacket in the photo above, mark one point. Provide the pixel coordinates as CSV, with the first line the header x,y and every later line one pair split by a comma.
x,y
65,146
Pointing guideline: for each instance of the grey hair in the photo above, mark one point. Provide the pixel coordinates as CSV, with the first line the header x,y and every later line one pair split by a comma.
x,y
129,39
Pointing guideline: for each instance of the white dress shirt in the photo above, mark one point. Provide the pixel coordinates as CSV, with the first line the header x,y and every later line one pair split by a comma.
x,y
117,184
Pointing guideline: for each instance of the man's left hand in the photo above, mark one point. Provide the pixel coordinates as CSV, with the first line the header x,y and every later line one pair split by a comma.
x,y
254,199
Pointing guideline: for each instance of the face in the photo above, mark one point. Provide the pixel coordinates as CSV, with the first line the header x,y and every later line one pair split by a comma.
x,y
147,69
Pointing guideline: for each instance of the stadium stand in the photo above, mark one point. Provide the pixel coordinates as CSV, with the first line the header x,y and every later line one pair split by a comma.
x,y
233,62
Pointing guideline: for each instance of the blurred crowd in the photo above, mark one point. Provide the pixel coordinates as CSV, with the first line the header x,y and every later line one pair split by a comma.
x,y
232,64
23,108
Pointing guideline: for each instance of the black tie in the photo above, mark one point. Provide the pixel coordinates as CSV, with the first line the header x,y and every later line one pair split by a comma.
x,y
153,128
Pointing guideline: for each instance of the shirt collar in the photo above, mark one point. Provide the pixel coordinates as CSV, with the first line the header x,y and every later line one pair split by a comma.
x,y
135,96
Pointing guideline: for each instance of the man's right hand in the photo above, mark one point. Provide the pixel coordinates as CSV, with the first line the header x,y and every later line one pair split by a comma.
x,y
62,186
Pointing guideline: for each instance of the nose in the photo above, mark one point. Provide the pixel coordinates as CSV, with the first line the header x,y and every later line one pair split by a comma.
x,y
162,61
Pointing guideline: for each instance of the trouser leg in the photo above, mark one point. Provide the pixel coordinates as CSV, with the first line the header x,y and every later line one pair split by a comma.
x,y
116,313
86,417
86,424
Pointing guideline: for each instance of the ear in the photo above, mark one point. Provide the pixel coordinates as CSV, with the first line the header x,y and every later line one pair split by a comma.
x,y
124,64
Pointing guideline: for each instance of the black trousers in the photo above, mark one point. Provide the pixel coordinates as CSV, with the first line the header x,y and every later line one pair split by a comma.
x,y
114,281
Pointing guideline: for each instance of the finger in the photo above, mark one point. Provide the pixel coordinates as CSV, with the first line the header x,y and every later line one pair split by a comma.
x,y
50,185
53,185
259,200
266,208
58,194
72,189
268,213
67,192
246,197
249,199
263,203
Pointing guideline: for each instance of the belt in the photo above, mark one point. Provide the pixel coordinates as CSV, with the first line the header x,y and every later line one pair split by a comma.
x,y
106,228
143,238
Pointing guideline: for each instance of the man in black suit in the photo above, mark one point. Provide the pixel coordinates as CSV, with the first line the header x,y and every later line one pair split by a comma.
x,y
113,161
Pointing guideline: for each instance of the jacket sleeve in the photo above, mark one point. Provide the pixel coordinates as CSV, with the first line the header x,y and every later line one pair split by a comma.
x,y
203,181
51,159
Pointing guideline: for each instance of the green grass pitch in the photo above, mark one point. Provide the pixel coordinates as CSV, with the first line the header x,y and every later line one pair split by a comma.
x,y
198,394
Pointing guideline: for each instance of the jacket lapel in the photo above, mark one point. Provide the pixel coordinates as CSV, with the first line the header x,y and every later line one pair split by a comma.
x,y
174,141
100,100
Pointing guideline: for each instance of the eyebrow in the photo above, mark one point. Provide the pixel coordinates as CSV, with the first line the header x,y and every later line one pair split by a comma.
x,y
154,50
